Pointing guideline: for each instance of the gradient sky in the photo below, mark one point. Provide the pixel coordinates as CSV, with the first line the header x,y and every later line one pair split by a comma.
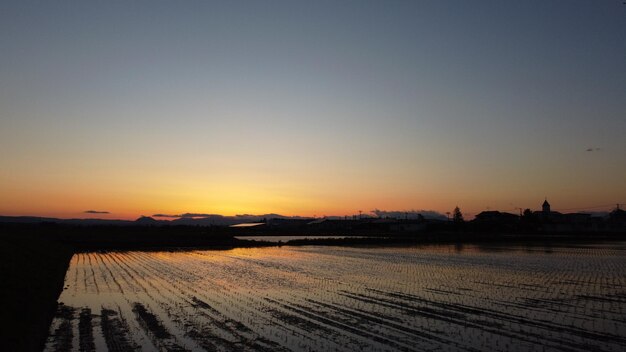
x,y
310,108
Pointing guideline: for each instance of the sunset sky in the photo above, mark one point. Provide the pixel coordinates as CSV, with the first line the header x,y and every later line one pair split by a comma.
x,y
310,108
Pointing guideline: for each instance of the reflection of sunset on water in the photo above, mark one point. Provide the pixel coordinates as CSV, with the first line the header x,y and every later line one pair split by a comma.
x,y
497,297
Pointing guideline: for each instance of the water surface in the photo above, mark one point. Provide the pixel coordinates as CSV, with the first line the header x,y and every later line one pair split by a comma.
x,y
313,298
289,238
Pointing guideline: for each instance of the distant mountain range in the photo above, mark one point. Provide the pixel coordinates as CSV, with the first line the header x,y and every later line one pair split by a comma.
x,y
37,220
219,220
209,220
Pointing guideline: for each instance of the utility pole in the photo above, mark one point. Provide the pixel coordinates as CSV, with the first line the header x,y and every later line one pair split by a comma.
x,y
360,213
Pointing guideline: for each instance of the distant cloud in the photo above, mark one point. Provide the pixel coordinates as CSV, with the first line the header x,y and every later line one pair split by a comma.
x,y
96,212
197,215
594,149
411,214
268,216
185,215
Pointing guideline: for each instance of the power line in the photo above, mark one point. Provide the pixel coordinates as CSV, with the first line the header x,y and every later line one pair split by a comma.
x,y
591,207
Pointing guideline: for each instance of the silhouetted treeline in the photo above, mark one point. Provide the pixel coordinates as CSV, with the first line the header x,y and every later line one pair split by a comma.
x,y
94,238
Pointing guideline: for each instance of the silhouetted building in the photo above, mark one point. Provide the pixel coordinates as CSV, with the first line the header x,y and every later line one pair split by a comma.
x,y
546,214
495,216
545,207
617,218
494,220
549,221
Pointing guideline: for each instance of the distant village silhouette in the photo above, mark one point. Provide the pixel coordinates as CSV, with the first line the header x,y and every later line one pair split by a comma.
x,y
381,222
554,221
544,220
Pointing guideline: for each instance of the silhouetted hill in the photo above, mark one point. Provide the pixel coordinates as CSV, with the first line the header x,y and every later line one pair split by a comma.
x,y
39,220
212,220
220,220
26,219
146,220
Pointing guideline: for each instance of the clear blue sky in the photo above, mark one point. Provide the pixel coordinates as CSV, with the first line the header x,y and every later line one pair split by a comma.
x,y
310,107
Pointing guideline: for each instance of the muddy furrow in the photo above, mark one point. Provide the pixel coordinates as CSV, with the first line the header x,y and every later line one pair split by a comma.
x,y
116,333
578,339
225,323
223,333
113,276
85,330
485,312
63,334
495,328
174,307
155,329
389,325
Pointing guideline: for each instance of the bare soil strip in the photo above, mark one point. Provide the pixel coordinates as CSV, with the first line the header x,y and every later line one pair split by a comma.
x,y
155,329
63,335
116,332
85,330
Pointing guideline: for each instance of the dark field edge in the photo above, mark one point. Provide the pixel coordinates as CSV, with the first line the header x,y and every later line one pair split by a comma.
x,y
35,257
461,238
32,272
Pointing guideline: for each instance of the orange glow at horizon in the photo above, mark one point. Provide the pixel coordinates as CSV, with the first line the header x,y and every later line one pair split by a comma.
x,y
193,108
130,203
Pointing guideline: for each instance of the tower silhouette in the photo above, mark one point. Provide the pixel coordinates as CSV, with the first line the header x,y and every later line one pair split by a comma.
x,y
545,207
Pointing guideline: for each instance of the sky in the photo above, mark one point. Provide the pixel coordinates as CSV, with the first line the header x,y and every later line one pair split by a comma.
x,y
310,107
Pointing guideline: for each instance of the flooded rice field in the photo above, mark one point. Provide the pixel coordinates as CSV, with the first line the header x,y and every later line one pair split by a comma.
x,y
569,298
284,239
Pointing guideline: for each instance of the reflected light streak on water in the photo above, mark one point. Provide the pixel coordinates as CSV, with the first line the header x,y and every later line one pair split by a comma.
x,y
344,298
